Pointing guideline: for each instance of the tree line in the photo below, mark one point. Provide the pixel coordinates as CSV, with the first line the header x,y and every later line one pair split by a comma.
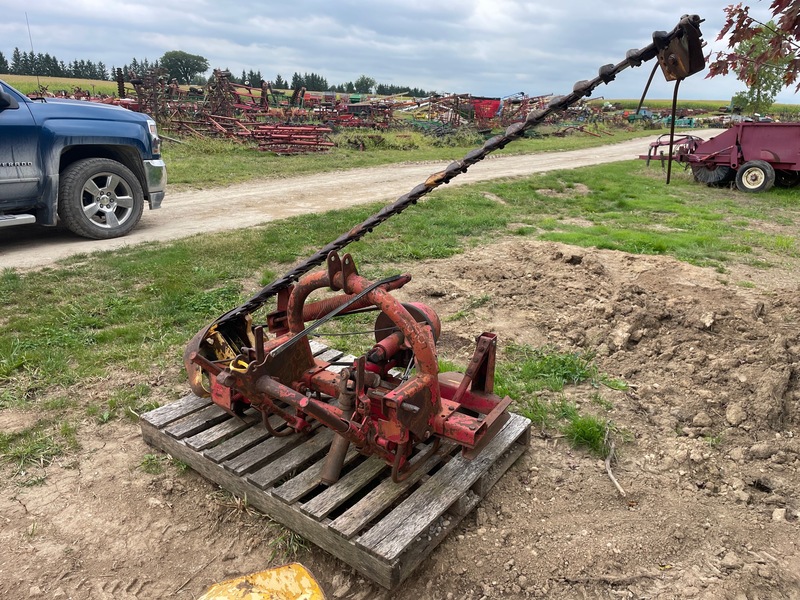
x,y
28,63
187,69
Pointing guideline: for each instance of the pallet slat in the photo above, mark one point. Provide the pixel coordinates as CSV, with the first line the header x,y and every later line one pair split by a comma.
x,y
168,413
330,355
257,456
413,517
236,445
321,506
197,422
295,458
280,476
374,503
299,486
221,432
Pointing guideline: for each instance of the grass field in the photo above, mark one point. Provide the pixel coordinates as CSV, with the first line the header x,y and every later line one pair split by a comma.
x,y
28,84
201,163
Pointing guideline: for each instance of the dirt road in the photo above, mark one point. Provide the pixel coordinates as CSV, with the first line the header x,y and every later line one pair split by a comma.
x,y
243,205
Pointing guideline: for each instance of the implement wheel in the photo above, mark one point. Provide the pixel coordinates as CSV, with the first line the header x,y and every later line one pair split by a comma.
x,y
714,175
787,179
755,176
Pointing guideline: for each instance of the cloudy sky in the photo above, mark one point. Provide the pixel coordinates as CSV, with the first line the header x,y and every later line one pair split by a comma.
x,y
483,47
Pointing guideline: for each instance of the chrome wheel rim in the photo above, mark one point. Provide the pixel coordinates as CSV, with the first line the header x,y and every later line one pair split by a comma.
x,y
107,200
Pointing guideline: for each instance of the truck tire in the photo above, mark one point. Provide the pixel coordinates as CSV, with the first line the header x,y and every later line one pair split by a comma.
x,y
755,176
99,198
718,175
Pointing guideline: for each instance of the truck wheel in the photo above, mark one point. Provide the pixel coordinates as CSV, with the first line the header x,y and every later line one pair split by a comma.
x,y
787,179
755,176
99,198
716,175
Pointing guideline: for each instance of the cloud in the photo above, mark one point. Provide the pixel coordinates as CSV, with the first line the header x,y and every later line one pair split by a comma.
x,y
484,47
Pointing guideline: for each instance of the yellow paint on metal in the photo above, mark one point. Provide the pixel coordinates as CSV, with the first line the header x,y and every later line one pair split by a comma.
x,y
290,582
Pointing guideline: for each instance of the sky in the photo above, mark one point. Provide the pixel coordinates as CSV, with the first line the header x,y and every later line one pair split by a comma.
x,y
482,47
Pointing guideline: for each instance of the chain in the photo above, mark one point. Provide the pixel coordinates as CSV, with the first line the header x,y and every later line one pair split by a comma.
x,y
686,32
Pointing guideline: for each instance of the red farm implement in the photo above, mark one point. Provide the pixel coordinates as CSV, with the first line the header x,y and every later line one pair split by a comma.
x,y
754,155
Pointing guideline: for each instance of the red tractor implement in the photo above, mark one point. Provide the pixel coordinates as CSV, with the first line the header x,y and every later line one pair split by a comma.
x,y
755,155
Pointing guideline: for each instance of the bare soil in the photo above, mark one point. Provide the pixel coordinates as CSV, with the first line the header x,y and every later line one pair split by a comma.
x,y
710,463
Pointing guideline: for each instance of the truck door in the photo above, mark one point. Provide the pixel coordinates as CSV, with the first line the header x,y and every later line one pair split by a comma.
x,y
20,171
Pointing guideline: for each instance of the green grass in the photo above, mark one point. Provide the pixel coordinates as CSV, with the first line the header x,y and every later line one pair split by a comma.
x,y
28,84
524,372
199,163
712,106
39,444
152,464
527,370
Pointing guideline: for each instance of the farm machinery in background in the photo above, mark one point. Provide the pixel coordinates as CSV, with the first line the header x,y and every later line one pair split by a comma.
x,y
391,401
754,155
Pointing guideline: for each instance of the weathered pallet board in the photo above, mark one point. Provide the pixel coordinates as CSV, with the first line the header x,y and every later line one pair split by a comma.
x,y
382,529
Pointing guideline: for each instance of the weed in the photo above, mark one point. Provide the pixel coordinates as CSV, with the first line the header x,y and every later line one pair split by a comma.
x,y
598,400
152,464
69,432
445,366
530,369
181,467
537,411
286,545
34,481
715,441
36,445
588,431
613,383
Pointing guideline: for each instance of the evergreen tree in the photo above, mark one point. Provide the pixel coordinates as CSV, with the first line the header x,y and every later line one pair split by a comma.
x,y
4,66
28,63
254,77
280,83
297,81
314,82
16,62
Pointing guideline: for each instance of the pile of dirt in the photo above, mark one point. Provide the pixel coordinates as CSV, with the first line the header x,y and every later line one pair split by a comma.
x,y
710,465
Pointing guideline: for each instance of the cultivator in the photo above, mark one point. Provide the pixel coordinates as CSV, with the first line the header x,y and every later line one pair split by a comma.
x,y
391,401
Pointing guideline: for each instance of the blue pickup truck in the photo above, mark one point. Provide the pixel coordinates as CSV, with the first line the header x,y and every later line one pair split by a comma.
x,y
86,165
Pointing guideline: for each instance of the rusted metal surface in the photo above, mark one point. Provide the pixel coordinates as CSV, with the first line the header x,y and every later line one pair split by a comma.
x,y
377,411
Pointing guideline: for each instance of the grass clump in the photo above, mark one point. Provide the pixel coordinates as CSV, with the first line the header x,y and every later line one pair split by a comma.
x,y
153,464
38,445
531,375
527,370
590,432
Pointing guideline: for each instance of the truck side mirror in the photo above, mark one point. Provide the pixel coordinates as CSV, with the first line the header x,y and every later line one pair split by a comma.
x,y
7,101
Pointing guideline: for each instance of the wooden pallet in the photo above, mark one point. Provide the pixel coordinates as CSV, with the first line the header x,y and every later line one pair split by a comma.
x,y
382,529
